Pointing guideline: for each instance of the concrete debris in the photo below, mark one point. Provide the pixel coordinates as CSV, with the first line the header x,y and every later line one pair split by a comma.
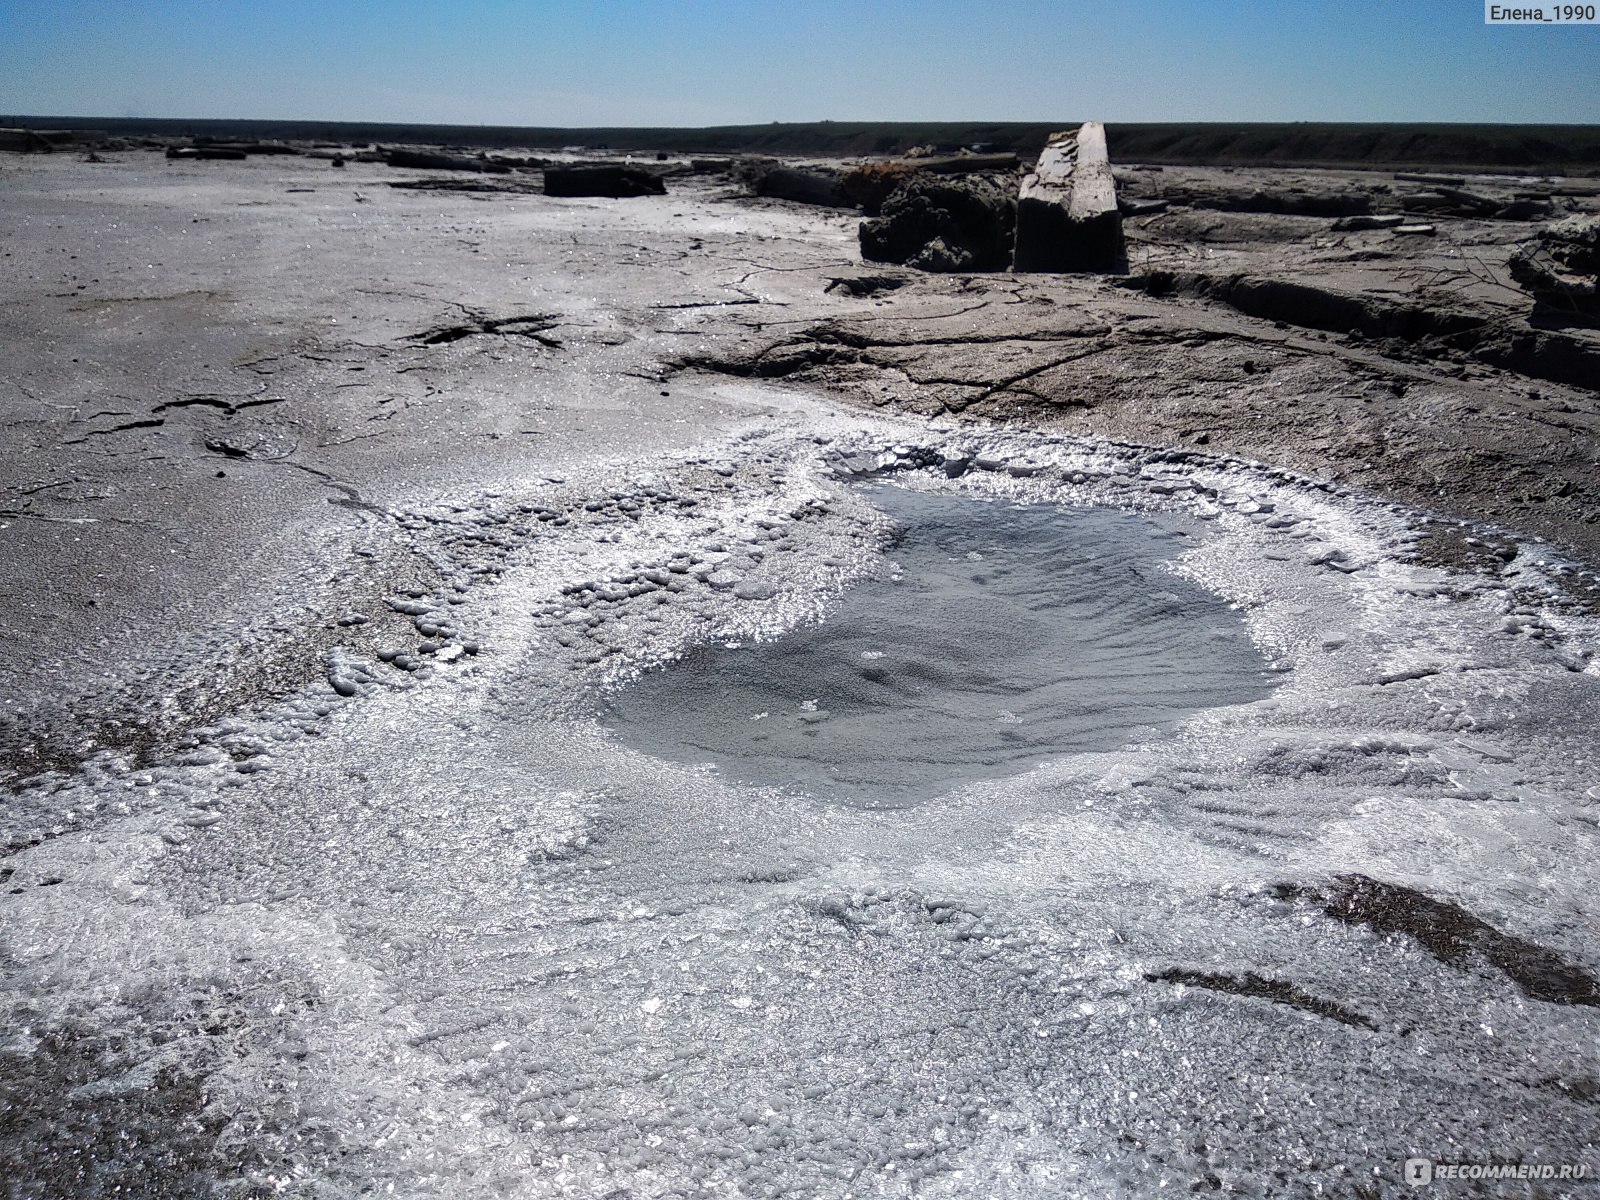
x,y
434,161
1141,208
1357,223
870,184
1449,200
1292,202
224,153
248,147
1560,268
1446,180
615,180
1067,216
804,185
968,164
46,140
1454,202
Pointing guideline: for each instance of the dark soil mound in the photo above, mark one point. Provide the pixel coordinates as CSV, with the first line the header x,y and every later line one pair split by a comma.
x,y
615,181
945,224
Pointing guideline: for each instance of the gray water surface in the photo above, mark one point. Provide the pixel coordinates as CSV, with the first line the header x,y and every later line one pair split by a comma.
x,y
997,637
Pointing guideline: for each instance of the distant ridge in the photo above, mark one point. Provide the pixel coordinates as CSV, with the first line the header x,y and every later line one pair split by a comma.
x,y
1533,149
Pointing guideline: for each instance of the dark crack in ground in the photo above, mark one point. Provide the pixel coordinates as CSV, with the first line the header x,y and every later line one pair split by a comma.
x,y
1450,934
1261,988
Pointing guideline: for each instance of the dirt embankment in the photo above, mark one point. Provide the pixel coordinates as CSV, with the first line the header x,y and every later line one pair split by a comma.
x,y
1569,149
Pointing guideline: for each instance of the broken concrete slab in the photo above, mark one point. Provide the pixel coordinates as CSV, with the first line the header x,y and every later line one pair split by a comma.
x,y
803,186
1415,177
967,164
223,153
246,147
613,180
1560,268
1368,221
1288,202
23,140
30,140
1067,215
871,184
1526,208
512,187
432,161
1449,201
1141,208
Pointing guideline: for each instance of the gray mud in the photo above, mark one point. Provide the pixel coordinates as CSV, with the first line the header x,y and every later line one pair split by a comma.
x,y
997,636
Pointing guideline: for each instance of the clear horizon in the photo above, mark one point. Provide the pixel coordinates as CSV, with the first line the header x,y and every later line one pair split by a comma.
x,y
723,62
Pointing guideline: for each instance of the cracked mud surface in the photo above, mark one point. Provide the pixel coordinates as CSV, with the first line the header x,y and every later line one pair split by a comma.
x,y
333,513
1443,432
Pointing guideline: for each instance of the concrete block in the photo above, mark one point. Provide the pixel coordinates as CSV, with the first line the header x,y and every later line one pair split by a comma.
x,y
1067,215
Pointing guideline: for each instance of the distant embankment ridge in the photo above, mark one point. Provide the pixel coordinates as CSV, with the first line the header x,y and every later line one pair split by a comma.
x,y
1569,149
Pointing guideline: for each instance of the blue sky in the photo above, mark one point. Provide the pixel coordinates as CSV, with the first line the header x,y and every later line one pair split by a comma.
x,y
708,62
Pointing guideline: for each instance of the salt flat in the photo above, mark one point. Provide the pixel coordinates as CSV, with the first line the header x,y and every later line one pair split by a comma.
x,y
335,516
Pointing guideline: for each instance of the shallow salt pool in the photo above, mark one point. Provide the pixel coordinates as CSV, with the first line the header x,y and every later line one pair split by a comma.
x,y
996,636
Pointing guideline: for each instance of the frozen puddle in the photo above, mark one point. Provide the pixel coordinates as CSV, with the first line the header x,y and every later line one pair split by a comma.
x,y
995,636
